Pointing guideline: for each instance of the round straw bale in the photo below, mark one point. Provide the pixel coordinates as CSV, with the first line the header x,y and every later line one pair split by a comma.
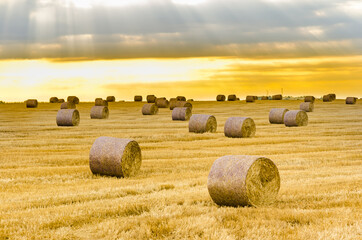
x,y
232,97
333,96
183,104
190,100
181,113
220,98
309,99
61,100
250,99
73,99
277,97
351,100
111,99
100,102
264,98
149,109
31,103
99,112
307,106
68,117
53,100
241,180
200,123
172,103
67,105
180,98
138,98
151,98
327,98
295,118
162,103
239,127
276,115
117,157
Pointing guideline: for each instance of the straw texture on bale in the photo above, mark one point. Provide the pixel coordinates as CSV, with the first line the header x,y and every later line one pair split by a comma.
x,y
181,113
239,127
181,98
220,98
351,100
99,112
309,99
149,109
67,105
264,98
277,97
327,98
183,104
68,117
295,118
138,98
162,103
172,103
200,123
232,97
117,157
151,98
61,100
111,99
31,103
53,100
276,115
307,106
250,99
242,180
101,102
73,99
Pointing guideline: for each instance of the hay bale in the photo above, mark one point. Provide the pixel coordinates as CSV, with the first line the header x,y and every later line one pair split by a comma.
x,y
149,109
190,100
232,97
31,103
327,98
172,103
68,105
180,98
99,112
309,99
295,118
351,100
162,103
250,99
264,98
241,180
239,127
276,115
73,99
117,157
220,98
61,100
277,97
151,98
183,104
333,96
307,106
68,117
53,100
200,123
111,99
100,102
181,113
138,98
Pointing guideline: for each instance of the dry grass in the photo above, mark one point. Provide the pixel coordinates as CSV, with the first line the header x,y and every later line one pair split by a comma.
x,y
47,190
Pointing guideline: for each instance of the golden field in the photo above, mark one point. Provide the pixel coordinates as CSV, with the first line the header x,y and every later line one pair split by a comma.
x,y
47,190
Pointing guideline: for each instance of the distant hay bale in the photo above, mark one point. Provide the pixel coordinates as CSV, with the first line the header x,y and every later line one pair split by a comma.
x,y
100,102
53,100
295,118
31,103
276,115
67,105
351,100
180,98
190,100
333,96
327,98
250,98
307,106
138,98
151,98
264,98
111,99
181,113
162,103
61,100
73,99
172,103
68,117
241,180
309,99
183,104
232,97
220,98
149,109
277,97
117,157
239,127
200,123
99,112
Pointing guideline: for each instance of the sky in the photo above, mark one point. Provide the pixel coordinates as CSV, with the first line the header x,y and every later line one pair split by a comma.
x,y
196,48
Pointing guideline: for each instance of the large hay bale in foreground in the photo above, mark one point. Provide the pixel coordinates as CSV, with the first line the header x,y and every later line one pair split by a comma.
x,y
243,180
250,99
172,103
61,100
149,109
309,99
277,97
183,104
68,117
181,98
295,118
73,99
239,127
276,115
232,97
138,98
351,100
67,105
99,112
151,98
31,103
306,106
111,99
220,98
162,103
181,113
200,123
53,100
117,157
101,102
